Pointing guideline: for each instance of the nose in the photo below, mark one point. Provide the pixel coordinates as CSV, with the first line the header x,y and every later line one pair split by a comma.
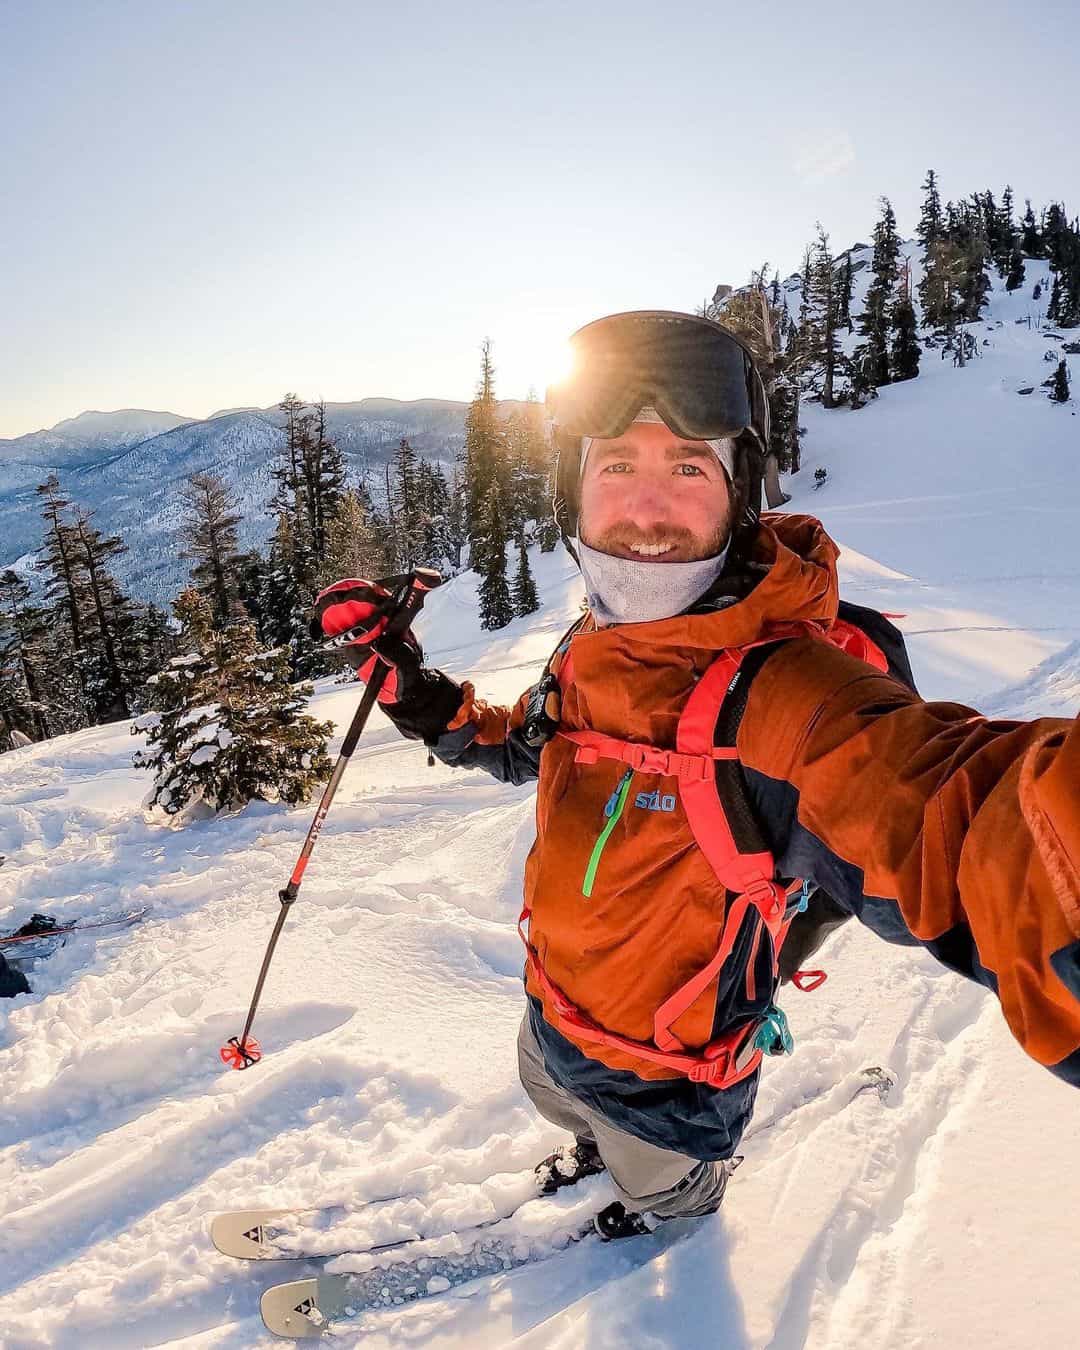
x,y
644,504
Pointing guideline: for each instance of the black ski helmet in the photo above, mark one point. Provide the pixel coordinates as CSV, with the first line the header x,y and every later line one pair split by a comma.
x,y
699,377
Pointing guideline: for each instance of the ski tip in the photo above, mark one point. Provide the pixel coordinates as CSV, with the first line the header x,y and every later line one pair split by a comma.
x,y
243,1233
292,1310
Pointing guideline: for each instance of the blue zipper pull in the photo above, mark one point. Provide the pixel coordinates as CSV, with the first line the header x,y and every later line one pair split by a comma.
x,y
613,800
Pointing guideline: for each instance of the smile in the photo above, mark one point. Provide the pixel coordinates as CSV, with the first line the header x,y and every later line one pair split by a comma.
x,y
651,550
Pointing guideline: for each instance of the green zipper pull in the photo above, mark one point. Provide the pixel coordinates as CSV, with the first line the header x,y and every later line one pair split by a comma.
x,y
613,810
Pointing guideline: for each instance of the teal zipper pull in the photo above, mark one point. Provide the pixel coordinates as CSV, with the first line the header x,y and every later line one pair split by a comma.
x,y
612,810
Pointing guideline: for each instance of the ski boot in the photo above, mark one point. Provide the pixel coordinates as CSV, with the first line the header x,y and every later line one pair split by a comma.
x,y
616,1221
37,923
566,1166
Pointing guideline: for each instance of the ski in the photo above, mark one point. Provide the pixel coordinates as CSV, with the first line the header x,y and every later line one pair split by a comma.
x,y
321,1233
310,1308
76,927
871,1079
424,1265
314,1233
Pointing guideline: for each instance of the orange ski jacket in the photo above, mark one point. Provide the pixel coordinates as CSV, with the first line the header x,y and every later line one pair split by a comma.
x,y
928,822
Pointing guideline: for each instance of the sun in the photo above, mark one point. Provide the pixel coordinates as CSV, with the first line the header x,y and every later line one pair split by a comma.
x,y
531,364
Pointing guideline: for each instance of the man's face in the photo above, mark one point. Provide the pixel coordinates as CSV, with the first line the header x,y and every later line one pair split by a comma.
x,y
649,494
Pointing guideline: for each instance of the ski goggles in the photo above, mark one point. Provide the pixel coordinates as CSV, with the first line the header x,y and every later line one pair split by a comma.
x,y
698,376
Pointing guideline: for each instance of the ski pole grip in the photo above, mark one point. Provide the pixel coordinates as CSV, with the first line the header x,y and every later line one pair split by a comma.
x,y
421,580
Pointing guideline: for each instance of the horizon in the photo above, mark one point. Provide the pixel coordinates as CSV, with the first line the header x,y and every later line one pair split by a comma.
x,y
511,176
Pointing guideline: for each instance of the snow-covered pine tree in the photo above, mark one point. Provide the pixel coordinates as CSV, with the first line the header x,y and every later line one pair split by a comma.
x,y
496,603
526,600
208,531
286,601
228,727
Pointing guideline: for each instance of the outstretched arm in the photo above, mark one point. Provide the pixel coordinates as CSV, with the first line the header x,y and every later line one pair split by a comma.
x,y
935,825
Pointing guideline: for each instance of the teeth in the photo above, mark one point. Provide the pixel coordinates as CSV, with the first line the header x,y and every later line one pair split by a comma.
x,y
650,550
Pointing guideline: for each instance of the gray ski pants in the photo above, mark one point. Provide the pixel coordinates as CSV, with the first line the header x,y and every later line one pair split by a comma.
x,y
648,1179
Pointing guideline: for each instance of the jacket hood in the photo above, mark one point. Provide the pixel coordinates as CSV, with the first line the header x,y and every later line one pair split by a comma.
x,y
797,562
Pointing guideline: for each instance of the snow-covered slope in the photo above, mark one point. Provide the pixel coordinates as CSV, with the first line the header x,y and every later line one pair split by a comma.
x,y
944,1217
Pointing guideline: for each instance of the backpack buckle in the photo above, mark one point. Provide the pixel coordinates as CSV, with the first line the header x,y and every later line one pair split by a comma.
x,y
647,759
768,897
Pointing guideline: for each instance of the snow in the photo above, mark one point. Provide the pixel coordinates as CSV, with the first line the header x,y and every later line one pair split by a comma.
x,y
946,1216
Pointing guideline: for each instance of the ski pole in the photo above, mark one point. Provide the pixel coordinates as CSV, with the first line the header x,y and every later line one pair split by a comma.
x,y
240,1052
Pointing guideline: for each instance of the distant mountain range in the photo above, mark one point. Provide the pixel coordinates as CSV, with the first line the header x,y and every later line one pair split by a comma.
x,y
128,465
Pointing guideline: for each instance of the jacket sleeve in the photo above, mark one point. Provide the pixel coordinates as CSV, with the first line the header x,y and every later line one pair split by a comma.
x,y
932,825
483,736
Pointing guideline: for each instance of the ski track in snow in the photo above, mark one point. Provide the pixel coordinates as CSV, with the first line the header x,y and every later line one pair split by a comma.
x,y
389,1017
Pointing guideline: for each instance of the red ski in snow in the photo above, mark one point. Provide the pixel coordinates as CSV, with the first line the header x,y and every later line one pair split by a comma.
x,y
39,932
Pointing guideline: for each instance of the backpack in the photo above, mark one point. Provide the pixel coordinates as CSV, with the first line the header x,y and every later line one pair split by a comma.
x,y
760,907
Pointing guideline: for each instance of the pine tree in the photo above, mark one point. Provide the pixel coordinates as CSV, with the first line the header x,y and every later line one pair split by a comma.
x,y
931,225
547,534
21,651
1053,309
404,506
228,726
749,314
1031,243
484,454
209,531
905,353
872,356
353,548
1014,278
63,585
818,356
526,600
456,532
116,672
844,299
286,606
328,479
527,464
496,603
1059,391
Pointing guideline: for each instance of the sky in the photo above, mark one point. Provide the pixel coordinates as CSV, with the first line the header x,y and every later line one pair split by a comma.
x,y
208,203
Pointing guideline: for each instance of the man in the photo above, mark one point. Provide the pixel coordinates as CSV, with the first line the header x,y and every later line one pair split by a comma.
x,y
710,747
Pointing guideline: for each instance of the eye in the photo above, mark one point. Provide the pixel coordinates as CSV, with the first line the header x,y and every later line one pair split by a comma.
x,y
620,466
689,471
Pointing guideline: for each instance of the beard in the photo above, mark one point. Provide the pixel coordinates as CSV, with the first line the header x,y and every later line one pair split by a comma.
x,y
620,539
